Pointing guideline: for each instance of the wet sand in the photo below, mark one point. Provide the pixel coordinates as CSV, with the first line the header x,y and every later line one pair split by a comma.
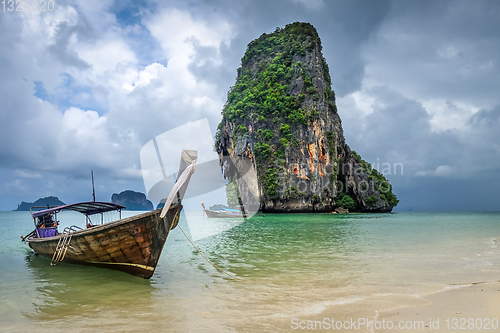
x,y
454,308
442,311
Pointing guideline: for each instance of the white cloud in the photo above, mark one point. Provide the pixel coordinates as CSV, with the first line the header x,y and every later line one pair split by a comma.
x,y
443,171
158,97
44,26
174,29
83,124
451,71
144,77
108,53
448,115
178,34
363,101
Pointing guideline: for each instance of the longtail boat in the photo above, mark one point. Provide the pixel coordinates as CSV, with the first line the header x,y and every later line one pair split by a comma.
x,y
132,245
222,212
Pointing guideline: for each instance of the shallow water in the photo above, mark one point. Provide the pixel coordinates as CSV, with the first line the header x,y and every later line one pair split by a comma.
x,y
293,265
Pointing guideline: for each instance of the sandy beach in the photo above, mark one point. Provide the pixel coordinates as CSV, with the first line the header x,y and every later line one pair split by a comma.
x,y
464,308
469,308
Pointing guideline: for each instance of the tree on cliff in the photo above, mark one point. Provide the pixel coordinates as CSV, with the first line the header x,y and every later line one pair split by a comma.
x,y
281,115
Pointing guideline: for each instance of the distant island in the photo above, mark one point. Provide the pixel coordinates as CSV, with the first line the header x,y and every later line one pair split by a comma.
x,y
132,200
51,201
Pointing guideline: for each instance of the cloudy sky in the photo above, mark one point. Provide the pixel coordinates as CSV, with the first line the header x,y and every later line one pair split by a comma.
x,y
87,85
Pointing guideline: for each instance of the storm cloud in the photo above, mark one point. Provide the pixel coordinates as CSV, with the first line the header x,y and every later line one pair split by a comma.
x,y
87,85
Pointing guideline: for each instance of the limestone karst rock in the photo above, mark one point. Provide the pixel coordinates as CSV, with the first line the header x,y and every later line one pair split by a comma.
x,y
281,115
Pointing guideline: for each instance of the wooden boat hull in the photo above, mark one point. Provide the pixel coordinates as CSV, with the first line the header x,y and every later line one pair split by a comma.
x,y
132,245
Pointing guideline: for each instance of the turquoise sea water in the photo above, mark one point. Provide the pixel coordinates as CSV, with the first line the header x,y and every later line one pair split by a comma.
x,y
293,265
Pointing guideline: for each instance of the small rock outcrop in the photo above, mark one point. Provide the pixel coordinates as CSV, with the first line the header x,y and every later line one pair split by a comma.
x,y
281,116
340,210
132,200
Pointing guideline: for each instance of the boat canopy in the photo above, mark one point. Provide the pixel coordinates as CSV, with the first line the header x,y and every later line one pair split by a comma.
x,y
87,208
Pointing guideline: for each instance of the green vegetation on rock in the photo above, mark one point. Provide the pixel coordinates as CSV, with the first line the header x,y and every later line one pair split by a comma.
x,y
345,201
232,193
262,94
371,200
262,90
381,183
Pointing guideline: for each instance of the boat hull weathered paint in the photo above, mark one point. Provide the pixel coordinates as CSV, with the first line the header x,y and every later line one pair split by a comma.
x,y
132,245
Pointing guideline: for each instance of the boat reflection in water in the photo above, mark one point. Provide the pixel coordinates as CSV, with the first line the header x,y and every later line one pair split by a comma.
x,y
80,298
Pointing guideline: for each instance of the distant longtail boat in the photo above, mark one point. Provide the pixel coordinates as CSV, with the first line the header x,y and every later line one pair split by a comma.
x,y
132,245
222,212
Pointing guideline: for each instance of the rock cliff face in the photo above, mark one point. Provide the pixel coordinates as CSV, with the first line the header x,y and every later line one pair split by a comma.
x,y
281,116
132,200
